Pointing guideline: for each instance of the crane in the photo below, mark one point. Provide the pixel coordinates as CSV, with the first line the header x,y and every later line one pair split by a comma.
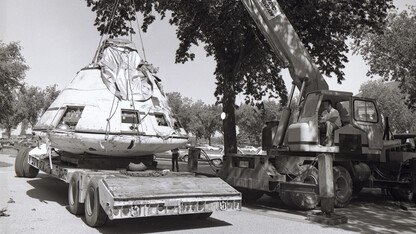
x,y
361,157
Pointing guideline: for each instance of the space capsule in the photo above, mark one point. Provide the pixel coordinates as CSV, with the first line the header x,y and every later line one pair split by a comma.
x,y
113,107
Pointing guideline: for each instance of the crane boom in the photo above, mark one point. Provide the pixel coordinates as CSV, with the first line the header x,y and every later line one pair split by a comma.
x,y
286,44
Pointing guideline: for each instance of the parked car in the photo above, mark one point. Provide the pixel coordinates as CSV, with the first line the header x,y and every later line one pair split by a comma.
x,y
183,155
217,157
249,148
260,151
209,147
7,141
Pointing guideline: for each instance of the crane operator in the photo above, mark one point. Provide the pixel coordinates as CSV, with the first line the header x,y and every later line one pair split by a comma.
x,y
330,121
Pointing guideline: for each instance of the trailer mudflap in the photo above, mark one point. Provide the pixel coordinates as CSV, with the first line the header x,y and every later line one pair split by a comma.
x,y
131,197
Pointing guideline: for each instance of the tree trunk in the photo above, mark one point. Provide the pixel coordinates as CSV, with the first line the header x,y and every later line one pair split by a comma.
x,y
9,132
230,134
23,128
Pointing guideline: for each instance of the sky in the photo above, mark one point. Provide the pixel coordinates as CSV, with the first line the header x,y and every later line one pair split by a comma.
x,y
58,38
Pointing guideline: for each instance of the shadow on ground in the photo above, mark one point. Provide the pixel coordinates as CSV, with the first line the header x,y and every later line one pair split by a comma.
x,y
160,224
369,212
48,189
375,212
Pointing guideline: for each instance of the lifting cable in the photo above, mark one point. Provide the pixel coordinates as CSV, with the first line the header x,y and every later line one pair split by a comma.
x,y
108,126
98,51
99,48
138,29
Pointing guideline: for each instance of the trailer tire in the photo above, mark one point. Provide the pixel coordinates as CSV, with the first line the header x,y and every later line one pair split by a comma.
x,y
18,163
28,170
342,187
75,207
306,201
94,213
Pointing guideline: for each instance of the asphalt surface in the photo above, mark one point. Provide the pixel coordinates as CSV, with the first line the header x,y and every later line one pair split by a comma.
x,y
40,205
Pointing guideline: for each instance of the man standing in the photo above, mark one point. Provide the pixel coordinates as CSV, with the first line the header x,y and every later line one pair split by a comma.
x,y
175,156
331,121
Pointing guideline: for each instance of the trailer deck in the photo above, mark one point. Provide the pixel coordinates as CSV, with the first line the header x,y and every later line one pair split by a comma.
x,y
132,194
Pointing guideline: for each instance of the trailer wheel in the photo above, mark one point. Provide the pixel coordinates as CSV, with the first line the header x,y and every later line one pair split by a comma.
x,y
306,201
75,207
342,187
404,195
18,163
28,170
216,162
94,213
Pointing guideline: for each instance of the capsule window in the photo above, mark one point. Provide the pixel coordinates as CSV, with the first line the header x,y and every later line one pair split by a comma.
x,y
161,120
71,117
129,116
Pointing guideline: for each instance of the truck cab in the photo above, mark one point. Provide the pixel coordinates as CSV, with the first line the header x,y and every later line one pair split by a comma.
x,y
360,132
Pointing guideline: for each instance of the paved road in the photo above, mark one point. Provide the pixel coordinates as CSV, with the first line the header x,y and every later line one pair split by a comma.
x,y
40,205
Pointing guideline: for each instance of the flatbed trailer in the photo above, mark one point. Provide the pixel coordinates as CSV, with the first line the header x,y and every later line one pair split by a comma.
x,y
121,194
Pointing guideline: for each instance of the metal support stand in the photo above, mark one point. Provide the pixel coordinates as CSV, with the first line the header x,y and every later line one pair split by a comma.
x,y
193,159
326,193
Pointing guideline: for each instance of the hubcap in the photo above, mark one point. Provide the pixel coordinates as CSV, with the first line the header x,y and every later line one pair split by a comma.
x,y
341,188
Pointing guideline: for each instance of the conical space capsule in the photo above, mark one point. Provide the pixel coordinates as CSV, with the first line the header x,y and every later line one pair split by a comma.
x,y
115,107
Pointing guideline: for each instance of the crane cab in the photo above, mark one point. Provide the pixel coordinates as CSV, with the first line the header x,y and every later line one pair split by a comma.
x,y
361,125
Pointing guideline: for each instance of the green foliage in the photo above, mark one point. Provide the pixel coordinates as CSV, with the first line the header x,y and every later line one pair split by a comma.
x,y
181,109
392,55
33,101
49,95
28,104
202,120
251,120
391,103
12,72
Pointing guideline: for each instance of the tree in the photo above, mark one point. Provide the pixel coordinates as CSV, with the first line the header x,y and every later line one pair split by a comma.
x,y
209,118
181,109
12,72
28,105
49,94
195,127
251,120
245,61
33,101
392,54
391,103
199,119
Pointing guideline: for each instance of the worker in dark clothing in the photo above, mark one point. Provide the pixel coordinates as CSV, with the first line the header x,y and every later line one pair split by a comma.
x,y
175,156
